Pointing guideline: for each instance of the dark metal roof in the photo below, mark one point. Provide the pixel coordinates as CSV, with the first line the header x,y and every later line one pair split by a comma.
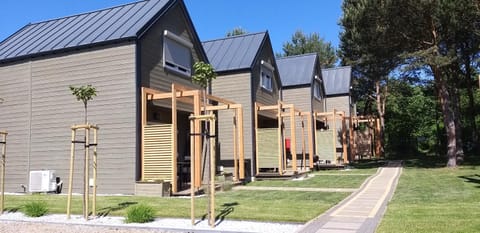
x,y
234,53
297,70
337,81
112,24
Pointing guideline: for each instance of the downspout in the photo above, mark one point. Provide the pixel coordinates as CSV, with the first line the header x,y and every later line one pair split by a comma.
x,y
138,109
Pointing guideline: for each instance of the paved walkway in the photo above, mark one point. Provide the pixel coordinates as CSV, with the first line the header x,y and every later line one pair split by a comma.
x,y
362,211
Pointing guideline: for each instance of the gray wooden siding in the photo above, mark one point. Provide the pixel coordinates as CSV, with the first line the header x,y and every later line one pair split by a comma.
x,y
53,110
340,103
301,98
235,87
152,71
263,96
14,118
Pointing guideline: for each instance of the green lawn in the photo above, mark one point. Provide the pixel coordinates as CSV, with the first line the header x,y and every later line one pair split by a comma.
x,y
275,206
351,178
247,205
435,200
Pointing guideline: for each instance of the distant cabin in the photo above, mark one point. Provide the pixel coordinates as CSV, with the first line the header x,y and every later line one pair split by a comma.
x,y
118,50
302,82
247,74
338,91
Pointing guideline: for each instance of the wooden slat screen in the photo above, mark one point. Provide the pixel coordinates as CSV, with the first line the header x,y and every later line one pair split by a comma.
x,y
268,154
158,152
325,145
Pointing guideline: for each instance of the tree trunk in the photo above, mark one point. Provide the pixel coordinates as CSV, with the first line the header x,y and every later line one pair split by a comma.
x,y
381,114
448,115
458,125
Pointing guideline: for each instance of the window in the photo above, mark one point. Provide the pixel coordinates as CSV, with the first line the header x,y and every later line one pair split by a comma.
x,y
266,76
317,90
177,54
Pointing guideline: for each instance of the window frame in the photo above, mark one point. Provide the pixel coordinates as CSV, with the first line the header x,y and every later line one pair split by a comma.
x,y
317,86
266,70
172,66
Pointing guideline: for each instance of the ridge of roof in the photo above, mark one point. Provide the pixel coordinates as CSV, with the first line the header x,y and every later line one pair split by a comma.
x,y
296,56
337,68
86,13
234,37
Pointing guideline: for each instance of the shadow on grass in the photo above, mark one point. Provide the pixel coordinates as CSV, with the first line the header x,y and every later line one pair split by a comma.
x,y
106,211
475,179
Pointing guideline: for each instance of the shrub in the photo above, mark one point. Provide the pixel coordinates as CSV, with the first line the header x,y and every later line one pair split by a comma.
x,y
36,209
140,213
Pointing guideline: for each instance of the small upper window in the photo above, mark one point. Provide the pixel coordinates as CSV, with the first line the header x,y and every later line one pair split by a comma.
x,y
177,54
317,89
266,76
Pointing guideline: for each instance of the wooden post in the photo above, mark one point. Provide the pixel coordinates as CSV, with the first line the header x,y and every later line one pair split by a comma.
x,y
350,135
334,129
192,170
212,170
174,139
235,146
304,159
94,198
198,142
310,140
241,143
86,193
344,139
256,136
280,141
70,177
293,140
2,174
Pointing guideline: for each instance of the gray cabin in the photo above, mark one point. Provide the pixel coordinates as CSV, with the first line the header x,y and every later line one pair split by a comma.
x,y
303,86
338,82
247,74
118,50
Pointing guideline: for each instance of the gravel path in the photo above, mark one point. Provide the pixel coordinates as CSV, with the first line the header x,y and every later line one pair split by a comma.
x,y
57,223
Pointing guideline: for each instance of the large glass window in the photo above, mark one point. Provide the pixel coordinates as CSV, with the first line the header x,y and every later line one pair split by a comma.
x,y
177,54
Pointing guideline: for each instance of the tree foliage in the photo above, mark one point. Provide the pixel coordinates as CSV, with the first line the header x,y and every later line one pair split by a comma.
x,y
311,43
203,73
236,32
436,37
84,94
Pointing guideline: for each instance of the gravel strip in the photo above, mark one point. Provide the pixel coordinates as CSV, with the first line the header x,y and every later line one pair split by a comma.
x,y
18,222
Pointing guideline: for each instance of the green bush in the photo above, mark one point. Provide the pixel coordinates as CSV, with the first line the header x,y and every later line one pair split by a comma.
x,y
140,213
36,209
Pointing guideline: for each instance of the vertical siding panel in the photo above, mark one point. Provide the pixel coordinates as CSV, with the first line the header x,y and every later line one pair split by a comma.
x,y
112,72
235,87
14,118
301,98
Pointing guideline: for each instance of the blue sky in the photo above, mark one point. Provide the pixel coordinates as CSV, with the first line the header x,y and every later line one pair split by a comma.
x,y
212,18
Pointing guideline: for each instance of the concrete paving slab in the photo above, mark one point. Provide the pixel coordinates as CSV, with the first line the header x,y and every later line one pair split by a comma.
x,y
362,211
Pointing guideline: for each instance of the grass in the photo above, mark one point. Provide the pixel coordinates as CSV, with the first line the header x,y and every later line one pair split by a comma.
x,y
351,178
430,198
274,206
246,205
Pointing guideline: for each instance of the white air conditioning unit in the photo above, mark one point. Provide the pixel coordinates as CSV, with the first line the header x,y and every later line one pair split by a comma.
x,y
42,181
